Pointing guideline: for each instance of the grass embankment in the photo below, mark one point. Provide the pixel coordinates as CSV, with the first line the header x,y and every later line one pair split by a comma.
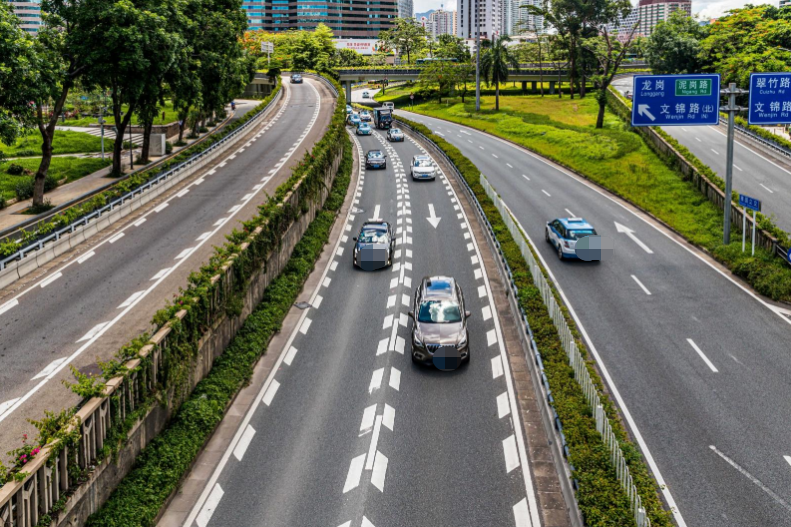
x,y
619,160
171,116
68,168
65,142
601,499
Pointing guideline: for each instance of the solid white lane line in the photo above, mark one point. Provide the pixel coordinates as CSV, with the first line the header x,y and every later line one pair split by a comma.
x,y
116,237
545,192
244,442
570,213
82,259
369,461
49,369
210,506
388,418
292,351
497,367
270,392
521,515
511,455
305,326
49,280
503,407
379,472
131,299
395,378
354,474
767,188
94,330
755,480
161,273
702,356
376,380
641,285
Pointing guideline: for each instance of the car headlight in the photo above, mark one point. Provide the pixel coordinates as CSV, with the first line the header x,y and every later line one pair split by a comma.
x,y
462,342
416,340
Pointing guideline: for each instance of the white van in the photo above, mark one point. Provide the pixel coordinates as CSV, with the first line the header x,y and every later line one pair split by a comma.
x,y
389,105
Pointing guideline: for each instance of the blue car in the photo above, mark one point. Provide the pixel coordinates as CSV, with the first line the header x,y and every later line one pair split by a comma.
x,y
364,129
348,109
354,119
563,234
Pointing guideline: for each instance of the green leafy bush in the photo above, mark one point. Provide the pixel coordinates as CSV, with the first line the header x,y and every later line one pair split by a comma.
x,y
24,188
15,170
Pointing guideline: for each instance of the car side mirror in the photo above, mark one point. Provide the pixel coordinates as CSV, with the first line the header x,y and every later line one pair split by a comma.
x,y
411,315
467,314
354,239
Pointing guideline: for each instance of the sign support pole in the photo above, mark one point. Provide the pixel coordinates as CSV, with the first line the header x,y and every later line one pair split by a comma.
x,y
477,60
753,232
744,227
732,91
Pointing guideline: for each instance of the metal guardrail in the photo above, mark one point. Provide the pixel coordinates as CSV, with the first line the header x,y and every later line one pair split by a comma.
x,y
569,345
776,148
84,220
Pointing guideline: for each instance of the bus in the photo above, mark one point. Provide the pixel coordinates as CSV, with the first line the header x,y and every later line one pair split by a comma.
x,y
422,62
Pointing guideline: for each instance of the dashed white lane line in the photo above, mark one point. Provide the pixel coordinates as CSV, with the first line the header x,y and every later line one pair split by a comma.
x,y
767,188
93,331
481,291
737,168
182,193
570,213
339,252
752,478
482,148
511,455
545,192
491,337
270,392
391,301
644,288
161,207
82,259
334,265
474,260
292,351
366,522
244,442
183,254
698,140
379,472
305,326
495,156
405,300
7,306
318,301
478,276
354,474
503,407
160,274
395,378
220,222
49,369
139,222
367,423
388,418
388,322
788,459
50,279
521,515
376,380
524,176
203,236
234,209
381,348
702,355
210,506
497,367
131,299
116,237
509,165
327,281
715,151
487,313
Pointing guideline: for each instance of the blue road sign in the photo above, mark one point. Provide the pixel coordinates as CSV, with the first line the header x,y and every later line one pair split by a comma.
x,y
770,98
749,203
676,100
789,255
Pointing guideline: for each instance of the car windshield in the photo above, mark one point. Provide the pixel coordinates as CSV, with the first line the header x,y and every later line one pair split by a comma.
x,y
395,131
375,153
422,163
439,312
581,233
373,236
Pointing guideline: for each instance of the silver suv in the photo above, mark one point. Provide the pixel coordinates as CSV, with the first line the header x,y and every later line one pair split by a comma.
x,y
439,319
422,167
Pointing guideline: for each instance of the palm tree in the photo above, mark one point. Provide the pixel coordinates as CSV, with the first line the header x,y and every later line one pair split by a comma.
x,y
495,63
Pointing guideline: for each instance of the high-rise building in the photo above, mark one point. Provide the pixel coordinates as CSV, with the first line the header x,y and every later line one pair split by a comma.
x,y
488,20
442,23
651,12
405,8
347,20
29,13
623,27
519,20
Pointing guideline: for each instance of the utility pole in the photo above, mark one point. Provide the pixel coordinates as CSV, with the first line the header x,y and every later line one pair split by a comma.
x,y
477,59
732,91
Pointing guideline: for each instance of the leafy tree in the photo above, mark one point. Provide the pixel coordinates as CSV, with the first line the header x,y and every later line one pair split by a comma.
x,y
465,73
495,63
348,58
440,74
452,47
675,45
407,37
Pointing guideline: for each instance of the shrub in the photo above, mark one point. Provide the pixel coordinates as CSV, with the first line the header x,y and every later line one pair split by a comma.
x,y
44,207
168,147
203,129
24,189
15,170
179,143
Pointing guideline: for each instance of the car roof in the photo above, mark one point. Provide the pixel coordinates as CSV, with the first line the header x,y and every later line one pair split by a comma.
x,y
377,225
439,287
421,156
374,152
575,223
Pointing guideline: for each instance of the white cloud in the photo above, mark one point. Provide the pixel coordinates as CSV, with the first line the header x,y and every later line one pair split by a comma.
x,y
421,6
708,9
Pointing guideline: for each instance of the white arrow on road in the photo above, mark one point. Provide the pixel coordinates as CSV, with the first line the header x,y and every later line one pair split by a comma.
x,y
630,233
642,109
432,219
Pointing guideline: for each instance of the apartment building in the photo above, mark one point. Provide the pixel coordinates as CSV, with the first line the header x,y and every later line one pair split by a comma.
x,y
442,23
29,13
347,18
485,16
651,12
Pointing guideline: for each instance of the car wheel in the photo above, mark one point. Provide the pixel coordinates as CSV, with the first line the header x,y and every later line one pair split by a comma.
x,y
414,360
560,251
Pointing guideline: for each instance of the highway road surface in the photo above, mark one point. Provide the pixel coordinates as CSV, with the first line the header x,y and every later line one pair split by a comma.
x,y
698,364
350,432
85,306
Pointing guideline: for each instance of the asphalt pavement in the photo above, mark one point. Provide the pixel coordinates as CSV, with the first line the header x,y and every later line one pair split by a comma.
x,y
82,308
754,173
698,364
349,431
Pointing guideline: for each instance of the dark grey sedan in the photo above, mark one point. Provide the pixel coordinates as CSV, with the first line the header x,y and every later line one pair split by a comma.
x,y
374,246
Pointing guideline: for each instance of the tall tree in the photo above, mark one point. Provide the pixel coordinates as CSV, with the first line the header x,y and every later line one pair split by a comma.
x,y
440,74
675,45
495,63
452,47
407,37
348,58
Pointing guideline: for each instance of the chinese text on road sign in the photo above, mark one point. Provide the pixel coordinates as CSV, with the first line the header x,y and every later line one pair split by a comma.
x,y
749,203
770,98
682,100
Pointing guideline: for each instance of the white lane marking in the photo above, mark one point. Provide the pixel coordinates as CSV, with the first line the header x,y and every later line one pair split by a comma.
x,y
702,355
388,418
132,298
752,478
491,337
368,419
203,236
94,331
182,193
219,222
767,188
161,273
698,140
470,247
317,302
644,288
183,254
474,260
481,291
511,455
395,378
376,212
684,129
305,326
495,156
116,237
210,506
521,515
630,233
391,301
376,380
244,442
366,522
49,369
234,209
381,348
85,257
788,459
715,151
405,300
326,282
380,470
478,275
487,313
339,252
369,461
509,165
49,280
570,213
161,207
270,392
524,176
354,474
292,351
403,319
503,407
497,367
545,192
7,306
482,148
388,322
8,404
334,265
139,222
737,168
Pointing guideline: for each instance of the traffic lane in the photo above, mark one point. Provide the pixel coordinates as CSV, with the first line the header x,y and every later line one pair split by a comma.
x,y
123,268
357,95
692,284
307,436
451,422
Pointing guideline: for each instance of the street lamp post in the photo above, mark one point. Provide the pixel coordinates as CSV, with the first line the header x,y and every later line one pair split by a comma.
x,y
477,60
